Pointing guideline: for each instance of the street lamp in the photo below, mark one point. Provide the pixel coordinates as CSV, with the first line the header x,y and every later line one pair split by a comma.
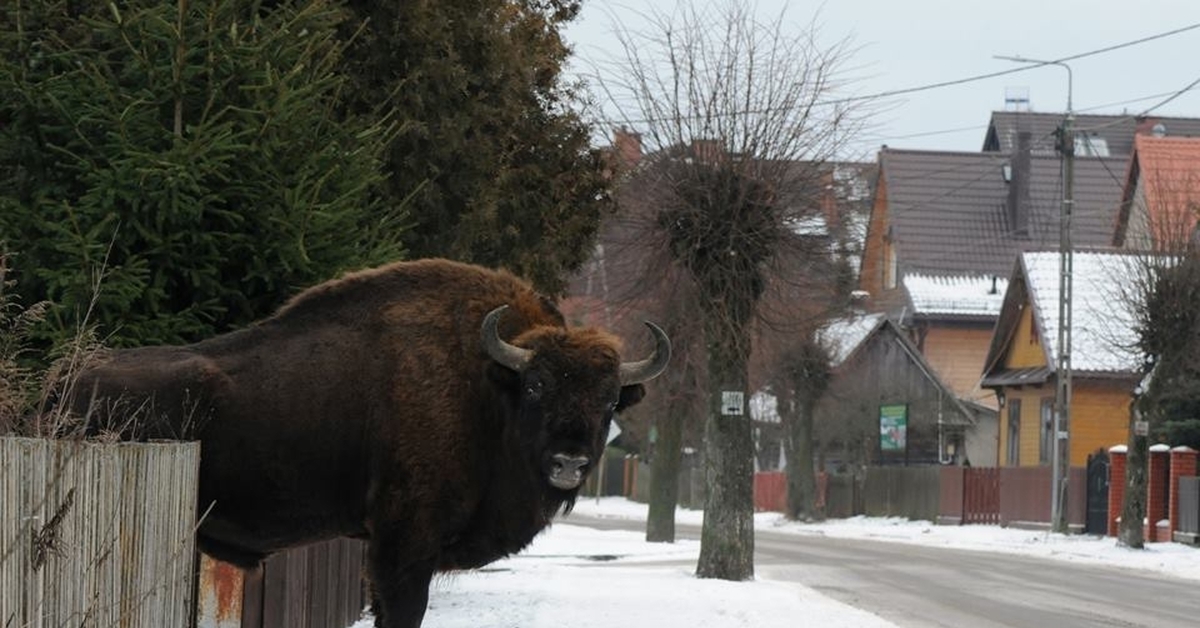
x,y
1062,398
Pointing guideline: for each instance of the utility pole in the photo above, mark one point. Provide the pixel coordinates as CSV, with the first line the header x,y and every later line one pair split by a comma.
x,y
1062,398
1061,454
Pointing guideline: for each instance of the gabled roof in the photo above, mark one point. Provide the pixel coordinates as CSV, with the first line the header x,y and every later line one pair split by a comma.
x,y
1166,171
1113,132
846,337
948,215
1103,332
955,296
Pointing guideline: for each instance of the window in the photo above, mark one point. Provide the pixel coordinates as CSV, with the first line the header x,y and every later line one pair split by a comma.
x,y
889,268
1046,447
1014,433
1087,145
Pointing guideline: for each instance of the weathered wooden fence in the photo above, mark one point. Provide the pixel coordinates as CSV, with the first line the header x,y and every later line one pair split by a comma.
x,y
946,494
315,586
910,492
96,535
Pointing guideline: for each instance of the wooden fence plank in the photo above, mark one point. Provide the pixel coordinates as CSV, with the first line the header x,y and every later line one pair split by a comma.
x,y
96,534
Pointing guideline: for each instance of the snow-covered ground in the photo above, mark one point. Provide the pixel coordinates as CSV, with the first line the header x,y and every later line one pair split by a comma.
x,y
573,574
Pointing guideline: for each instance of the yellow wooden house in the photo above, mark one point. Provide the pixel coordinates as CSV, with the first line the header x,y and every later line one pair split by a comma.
x,y
1021,365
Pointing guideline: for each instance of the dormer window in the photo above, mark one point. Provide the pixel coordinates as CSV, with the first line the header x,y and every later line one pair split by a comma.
x,y
1090,146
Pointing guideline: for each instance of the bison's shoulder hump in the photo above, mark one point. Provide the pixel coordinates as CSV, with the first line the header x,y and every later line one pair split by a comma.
x,y
444,281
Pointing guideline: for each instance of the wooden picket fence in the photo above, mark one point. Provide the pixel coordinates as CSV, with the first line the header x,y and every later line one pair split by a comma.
x,y
97,535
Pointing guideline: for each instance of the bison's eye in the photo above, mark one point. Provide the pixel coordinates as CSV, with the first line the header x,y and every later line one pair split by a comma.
x,y
533,390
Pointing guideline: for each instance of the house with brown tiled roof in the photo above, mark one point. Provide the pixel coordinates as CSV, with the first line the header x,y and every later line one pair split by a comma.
x,y
1022,356
1161,196
1095,135
964,217
944,231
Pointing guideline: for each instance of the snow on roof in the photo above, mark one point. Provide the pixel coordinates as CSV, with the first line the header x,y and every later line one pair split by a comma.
x,y
814,225
1103,332
965,295
843,335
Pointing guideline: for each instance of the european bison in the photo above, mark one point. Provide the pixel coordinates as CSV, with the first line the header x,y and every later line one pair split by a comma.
x,y
442,411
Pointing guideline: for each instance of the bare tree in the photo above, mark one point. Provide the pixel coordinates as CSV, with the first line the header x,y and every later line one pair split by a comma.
x,y
1164,293
799,383
741,119
672,419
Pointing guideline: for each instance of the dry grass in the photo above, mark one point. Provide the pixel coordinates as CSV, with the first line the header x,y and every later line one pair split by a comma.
x,y
90,534
29,394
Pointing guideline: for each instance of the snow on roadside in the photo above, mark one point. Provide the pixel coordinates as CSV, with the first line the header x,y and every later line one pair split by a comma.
x,y
1168,558
593,578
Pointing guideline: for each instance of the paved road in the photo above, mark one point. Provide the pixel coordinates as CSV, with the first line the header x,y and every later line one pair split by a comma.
x,y
929,587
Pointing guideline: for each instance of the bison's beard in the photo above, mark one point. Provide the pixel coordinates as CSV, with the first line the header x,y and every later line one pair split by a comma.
x,y
559,502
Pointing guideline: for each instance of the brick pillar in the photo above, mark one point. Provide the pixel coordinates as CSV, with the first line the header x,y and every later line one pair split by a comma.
x,y
1183,464
1116,485
1156,490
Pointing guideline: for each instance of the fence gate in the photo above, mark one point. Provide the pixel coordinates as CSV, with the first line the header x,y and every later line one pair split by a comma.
x,y
1096,521
981,495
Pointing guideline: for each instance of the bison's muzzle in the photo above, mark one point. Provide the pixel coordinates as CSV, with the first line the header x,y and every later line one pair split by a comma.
x,y
567,472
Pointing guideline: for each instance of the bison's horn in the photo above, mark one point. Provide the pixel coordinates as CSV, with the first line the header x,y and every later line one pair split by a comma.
x,y
648,369
512,356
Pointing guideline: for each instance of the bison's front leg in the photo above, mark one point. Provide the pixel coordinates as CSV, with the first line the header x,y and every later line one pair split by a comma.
x,y
399,589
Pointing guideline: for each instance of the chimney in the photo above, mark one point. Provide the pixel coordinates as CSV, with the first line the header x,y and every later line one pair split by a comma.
x,y
1018,203
1150,126
859,300
628,147
707,151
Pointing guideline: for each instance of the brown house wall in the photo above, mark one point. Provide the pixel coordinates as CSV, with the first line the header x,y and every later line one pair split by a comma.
x,y
1030,427
871,274
957,354
1099,416
1026,348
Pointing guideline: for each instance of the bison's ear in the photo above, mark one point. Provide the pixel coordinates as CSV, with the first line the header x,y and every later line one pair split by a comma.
x,y
630,395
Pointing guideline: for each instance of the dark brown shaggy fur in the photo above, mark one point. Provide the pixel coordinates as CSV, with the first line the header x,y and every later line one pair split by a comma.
x,y
366,407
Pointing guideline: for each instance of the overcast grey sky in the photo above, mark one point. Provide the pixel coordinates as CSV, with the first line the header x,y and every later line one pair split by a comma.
x,y
909,43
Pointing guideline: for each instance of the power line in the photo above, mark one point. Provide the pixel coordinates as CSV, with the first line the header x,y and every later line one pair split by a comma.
x,y
976,127
980,77
1128,102
960,81
1187,88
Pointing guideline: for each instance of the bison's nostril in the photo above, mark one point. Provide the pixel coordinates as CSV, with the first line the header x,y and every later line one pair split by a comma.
x,y
570,463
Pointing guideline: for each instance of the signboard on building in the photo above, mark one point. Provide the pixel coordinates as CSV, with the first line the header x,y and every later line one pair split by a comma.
x,y
893,427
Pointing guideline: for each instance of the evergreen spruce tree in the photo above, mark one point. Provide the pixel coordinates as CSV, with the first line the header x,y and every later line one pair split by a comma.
x,y
498,164
197,151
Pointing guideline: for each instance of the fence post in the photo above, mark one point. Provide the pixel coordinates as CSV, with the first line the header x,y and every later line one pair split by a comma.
x,y
219,596
1183,464
1116,485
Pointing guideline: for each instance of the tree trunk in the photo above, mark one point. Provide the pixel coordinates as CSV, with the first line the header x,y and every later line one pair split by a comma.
x,y
664,476
801,475
727,537
1133,506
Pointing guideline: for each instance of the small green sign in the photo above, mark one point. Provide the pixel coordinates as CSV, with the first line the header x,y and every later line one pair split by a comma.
x,y
893,427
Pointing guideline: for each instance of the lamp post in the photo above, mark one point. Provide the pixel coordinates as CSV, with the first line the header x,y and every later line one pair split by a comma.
x,y
1062,398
